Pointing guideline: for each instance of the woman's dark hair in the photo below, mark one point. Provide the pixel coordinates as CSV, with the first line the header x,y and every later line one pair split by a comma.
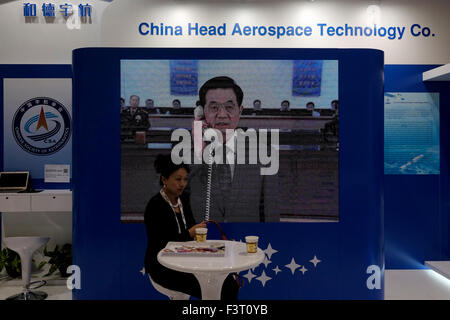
x,y
164,166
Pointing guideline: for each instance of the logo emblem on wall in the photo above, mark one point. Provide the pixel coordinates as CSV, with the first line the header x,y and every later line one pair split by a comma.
x,y
41,126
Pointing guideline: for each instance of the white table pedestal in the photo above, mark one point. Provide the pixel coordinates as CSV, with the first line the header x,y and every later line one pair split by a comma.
x,y
211,284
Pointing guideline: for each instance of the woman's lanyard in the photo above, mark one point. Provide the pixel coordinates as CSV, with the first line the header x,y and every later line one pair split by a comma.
x,y
179,205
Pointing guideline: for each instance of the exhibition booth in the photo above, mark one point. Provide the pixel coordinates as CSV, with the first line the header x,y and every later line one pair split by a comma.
x,y
349,178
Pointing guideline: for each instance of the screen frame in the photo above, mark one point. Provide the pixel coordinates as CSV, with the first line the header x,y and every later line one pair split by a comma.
x,y
16,173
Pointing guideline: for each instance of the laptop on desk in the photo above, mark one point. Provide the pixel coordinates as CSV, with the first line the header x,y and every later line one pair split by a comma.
x,y
14,182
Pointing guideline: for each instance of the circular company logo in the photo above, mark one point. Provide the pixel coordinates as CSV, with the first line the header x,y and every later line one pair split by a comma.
x,y
41,126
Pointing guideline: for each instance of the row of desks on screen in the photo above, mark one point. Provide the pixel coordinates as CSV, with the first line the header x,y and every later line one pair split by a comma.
x,y
256,122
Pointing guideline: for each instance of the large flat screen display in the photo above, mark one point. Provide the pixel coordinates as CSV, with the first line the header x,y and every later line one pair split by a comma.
x,y
267,130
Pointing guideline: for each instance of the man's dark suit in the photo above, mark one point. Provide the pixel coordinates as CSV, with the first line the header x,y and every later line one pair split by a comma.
x,y
253,197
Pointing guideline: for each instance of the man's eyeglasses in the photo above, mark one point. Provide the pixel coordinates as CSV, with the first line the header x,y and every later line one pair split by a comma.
x,y
229,107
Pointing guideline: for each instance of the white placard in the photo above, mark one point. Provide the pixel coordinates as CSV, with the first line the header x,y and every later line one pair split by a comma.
x,y
57,173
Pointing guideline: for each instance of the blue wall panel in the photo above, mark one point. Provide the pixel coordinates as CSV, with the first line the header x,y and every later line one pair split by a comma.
x,y
411,221
111,254
417,207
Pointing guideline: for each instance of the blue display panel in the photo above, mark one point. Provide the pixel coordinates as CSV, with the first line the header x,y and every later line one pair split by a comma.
x,y
183,77
411,133
111,254
307,78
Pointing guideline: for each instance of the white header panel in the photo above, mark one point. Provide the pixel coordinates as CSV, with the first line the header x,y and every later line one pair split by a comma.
x,y
409,31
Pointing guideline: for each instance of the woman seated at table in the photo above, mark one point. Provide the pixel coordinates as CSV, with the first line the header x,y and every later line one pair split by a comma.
x,y
168,217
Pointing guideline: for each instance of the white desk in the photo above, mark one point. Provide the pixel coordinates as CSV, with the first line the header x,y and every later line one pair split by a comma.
x,y
212,271
19,210
44,201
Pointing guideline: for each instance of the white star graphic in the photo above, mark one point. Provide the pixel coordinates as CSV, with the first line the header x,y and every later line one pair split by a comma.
x,y
249,276
303,269
142,271
276,269
263,278
292,265
315,261
270,251
266,262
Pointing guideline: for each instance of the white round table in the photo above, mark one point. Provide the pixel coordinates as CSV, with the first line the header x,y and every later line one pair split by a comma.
x,y
212,271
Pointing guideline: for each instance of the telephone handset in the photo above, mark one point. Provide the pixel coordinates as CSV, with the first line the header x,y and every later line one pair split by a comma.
x,y
199,115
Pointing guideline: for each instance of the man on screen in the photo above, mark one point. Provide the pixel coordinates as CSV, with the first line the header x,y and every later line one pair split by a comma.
x,y
176,104
239,193
134,102
285,106
122,104
176,107
311,108
150,107
134,117
256,107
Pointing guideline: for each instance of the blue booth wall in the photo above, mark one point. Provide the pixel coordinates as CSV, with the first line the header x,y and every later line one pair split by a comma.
x,y
111,254
417,207
416,219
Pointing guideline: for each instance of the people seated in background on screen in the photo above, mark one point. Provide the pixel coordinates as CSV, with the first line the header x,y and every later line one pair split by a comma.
x,y
176,107
199,114
134,101
334,105
122,104
310,107
285,106
135,117
150,107
168,217
176,104
336,109
331,128
256,107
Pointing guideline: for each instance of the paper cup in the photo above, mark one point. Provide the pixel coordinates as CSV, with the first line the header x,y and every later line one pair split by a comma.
x,y
200,234
252,243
